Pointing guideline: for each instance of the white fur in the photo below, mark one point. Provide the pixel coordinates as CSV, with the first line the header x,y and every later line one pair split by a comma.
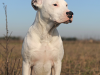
x,y
42,49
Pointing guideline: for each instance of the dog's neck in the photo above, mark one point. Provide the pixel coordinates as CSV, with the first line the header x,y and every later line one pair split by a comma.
x,y
43,25
45,28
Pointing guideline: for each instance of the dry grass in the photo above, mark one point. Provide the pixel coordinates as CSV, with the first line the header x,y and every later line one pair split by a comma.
x,y
81,57
13,64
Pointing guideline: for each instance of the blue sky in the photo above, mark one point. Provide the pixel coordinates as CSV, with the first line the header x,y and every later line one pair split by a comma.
x,y
21,15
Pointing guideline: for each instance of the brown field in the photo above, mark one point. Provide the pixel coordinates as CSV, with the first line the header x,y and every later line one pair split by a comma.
x,y
81,57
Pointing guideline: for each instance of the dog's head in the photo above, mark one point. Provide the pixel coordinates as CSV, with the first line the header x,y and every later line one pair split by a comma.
x,y
54,10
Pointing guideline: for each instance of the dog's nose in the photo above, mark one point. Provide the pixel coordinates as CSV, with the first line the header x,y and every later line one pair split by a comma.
x,y
70,13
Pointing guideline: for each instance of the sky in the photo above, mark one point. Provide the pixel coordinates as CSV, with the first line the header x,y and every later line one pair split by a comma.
x,y
21,15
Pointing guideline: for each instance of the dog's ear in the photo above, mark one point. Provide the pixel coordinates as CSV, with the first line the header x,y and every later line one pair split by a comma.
x,y
36,4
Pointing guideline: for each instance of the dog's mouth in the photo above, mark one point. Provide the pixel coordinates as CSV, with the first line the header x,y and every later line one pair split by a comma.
x,y
65,22
56,24
69,21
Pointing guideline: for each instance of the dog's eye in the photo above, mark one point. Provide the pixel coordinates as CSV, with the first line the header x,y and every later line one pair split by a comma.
x,y
66,5
55,4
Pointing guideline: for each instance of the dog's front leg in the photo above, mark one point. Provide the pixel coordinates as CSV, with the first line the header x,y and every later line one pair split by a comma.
x,y
26,70
57,67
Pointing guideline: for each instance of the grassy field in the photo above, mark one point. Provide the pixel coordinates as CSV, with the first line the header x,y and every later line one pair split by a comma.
x,y
81,57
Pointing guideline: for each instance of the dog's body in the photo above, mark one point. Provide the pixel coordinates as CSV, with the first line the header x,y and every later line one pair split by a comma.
x,y
42,49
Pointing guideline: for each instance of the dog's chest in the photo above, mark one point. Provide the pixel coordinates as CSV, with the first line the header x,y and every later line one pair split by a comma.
x,y
46,52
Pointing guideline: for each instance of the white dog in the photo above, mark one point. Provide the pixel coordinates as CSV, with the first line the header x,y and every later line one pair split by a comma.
x,y
42,49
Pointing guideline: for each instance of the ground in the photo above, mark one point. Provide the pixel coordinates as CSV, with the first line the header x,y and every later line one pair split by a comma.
x,y
81,57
